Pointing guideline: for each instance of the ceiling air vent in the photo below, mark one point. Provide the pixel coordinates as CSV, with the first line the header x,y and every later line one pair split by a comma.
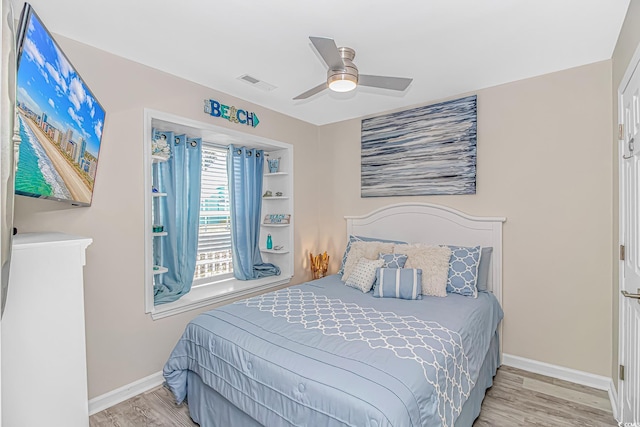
x,y
257,83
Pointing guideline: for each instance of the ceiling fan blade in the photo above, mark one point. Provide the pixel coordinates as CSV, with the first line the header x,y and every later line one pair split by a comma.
x,y
384,82
327,48
312,92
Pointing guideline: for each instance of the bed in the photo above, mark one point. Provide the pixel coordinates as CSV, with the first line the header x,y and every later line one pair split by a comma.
x,y
324,354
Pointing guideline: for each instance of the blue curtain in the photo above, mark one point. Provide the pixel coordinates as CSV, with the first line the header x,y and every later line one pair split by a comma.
x,y
245,167
179,213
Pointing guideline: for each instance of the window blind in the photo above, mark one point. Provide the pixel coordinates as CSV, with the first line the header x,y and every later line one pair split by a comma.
x,y
214,235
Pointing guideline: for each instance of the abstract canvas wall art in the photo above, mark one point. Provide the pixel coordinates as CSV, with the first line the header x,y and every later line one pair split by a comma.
x,y
427,150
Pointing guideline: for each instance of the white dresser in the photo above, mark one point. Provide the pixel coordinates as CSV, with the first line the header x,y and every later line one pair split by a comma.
x,y
44,368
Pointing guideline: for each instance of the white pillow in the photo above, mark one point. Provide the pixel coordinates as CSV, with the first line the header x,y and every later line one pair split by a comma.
x,y
368,250
434,263
364,273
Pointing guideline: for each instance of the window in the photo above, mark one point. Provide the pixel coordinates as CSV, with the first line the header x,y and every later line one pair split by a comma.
x,y
214,259
214,281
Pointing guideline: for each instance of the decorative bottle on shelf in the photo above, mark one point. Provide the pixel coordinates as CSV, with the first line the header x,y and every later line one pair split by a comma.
x,y
269,242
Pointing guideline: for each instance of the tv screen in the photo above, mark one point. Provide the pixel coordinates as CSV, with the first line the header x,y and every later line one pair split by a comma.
x,y
60,120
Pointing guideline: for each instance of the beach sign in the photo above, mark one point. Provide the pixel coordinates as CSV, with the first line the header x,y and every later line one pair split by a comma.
x,y
230,113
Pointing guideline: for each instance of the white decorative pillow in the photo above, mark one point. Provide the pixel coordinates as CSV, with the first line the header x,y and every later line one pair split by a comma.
x,y
434,263
363,274
361,239
368,250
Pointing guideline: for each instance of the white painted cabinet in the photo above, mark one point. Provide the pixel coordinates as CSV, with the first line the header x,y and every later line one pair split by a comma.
x,y
44,368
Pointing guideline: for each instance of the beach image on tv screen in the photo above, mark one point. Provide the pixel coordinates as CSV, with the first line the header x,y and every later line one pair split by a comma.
x,y
60,123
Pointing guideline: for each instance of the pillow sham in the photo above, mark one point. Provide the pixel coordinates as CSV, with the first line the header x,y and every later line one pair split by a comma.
x,y
363,274
361,249
483,269
403,283
393,260
463,270
361,239
434,263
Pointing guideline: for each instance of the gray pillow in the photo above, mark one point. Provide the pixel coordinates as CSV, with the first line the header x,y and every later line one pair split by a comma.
x,y
483,269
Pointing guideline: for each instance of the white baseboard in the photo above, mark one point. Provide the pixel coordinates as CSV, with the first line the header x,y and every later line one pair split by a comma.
x,y
579,377
567,374
107,400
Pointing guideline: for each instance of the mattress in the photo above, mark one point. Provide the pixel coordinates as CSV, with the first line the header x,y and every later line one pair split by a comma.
x,y
325,354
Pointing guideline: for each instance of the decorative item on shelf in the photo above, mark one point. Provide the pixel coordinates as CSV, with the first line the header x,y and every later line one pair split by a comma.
x,y
154,190
274,165
157,228
319,265
278,193
160,147
277,219
267,193
269,242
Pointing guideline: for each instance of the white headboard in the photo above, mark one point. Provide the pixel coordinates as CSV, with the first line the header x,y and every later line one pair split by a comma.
x,y
435,225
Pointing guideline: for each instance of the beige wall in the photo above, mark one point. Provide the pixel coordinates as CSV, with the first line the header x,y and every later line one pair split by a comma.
x,y
544,150
625,48
543,162
123,343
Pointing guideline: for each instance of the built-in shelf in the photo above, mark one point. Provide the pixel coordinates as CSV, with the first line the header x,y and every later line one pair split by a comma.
x,y
274,251
278,234
158,269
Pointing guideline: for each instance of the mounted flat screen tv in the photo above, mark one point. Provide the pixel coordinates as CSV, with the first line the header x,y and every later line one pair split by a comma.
x,y
59,118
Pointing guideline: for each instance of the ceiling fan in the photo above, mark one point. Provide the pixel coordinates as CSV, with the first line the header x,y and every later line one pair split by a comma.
x,y
343,75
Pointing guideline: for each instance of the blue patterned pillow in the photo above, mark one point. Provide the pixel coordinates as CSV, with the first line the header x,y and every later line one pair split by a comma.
x,y
360,239
463,271
393,260
404,283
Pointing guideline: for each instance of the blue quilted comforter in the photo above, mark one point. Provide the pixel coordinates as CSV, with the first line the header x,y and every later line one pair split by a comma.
x,y
323,354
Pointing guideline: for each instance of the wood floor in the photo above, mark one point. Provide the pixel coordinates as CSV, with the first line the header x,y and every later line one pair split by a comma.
x,y
517,398
521,398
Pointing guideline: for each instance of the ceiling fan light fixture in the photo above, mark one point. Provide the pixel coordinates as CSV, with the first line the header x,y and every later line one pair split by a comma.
x,y
342,82
343,75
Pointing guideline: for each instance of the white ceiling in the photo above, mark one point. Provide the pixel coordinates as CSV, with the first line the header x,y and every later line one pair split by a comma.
x,y
448,47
